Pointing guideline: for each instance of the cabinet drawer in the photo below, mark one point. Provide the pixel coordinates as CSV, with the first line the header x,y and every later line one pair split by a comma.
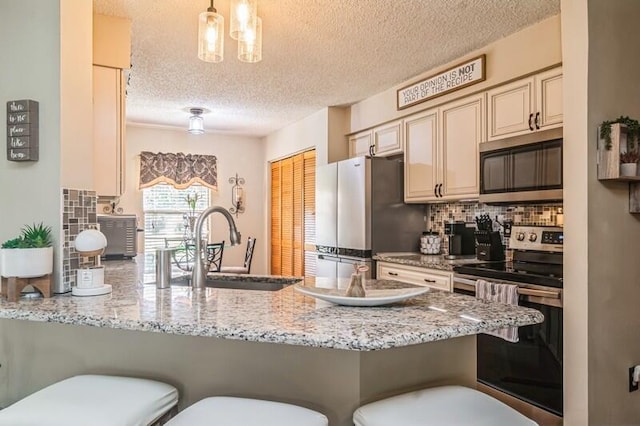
x,y
417,276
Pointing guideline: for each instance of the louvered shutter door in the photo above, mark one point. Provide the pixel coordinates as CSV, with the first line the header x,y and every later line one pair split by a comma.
x,y
286,211
293,215
310,213
276,220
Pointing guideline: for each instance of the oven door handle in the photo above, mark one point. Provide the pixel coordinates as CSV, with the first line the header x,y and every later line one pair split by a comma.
x,y
539,293
470,285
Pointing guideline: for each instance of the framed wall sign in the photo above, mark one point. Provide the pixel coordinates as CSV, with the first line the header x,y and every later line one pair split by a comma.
x,y
22,130
455,78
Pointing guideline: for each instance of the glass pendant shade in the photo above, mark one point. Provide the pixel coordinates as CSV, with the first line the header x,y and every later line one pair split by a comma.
x,y
211,36
250,46
196,122
243,16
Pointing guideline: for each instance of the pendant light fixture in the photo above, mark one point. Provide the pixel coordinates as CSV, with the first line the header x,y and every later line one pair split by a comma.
x,y
243,17
250,44
211,35
196,122
244,26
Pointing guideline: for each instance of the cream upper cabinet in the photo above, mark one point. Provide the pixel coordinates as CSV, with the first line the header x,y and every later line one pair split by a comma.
x,y
387,139
549,99
360,144
525,106
108,131
462,130
421,157
441,151
382,141
510,109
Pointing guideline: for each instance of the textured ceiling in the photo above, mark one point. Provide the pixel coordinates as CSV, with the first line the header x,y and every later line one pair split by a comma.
x,y
316,53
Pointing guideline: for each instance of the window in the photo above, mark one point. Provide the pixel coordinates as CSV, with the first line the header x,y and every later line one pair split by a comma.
x,y
164,217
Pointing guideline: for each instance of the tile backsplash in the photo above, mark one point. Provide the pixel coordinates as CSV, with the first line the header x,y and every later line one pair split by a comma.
x,y
78,214
529,214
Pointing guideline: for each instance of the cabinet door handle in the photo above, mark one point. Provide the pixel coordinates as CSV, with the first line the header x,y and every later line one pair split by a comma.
x,y
440,190
393,274
537,120
435,190
429,281
530,125
371,151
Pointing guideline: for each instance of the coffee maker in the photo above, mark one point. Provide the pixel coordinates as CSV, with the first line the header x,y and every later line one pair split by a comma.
x,y
461,238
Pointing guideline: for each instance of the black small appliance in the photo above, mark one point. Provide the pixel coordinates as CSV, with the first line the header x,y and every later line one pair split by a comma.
x,y
461,239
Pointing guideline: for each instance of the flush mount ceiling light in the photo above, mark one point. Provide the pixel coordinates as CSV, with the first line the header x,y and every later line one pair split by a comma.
x,y
196,122
245,26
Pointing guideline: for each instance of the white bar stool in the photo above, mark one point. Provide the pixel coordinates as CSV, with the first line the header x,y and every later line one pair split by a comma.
x,y
444,405
94,400
231,411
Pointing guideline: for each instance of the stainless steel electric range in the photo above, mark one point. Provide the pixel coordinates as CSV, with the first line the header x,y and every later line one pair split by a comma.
x,y
530,370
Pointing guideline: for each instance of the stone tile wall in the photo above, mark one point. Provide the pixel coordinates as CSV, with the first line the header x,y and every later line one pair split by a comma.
x,y
78,214
530,214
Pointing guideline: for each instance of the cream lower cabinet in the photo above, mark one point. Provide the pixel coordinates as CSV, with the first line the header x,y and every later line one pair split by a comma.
x,y
441,151
108,131
441,280
524,106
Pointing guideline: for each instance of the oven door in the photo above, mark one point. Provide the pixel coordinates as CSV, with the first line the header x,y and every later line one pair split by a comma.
x,y
530,370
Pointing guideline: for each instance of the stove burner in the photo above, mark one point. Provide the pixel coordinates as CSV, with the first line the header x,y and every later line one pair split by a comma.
x,y
532,273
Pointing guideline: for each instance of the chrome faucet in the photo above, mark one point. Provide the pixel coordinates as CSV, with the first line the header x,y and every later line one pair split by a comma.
x,y
198,275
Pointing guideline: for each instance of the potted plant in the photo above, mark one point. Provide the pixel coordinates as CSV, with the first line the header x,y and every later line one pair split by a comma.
x,y
192,201
29,255
633,131
629,163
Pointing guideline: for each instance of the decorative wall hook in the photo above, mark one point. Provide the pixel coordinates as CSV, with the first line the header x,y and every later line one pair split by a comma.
x,y
237,195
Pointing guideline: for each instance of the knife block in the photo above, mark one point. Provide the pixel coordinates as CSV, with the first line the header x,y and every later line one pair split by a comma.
x,y
489,247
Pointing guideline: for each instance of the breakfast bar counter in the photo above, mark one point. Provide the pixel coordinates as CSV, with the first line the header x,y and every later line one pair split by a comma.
x,y
284,316
279,345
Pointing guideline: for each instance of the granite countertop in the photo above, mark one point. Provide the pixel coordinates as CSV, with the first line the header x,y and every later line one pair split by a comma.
x,y
431,261
285,317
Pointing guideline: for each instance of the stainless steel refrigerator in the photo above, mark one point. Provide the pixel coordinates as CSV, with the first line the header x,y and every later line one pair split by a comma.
x,y
360,211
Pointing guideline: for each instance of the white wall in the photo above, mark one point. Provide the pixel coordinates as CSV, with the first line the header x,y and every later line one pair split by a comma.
x,y
310,132
234,154
613,246
76,93
575,45
30,51
524,52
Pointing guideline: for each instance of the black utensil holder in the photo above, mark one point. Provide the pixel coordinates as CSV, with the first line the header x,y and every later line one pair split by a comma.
x,y
489,247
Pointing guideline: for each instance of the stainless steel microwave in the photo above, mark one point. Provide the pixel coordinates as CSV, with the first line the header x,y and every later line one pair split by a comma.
x,y
522,169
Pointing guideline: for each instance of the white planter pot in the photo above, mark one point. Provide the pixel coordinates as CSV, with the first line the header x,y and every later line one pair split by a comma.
x,y
628,169
26,263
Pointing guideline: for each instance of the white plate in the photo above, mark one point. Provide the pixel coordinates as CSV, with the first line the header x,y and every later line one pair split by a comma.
x,y
372,298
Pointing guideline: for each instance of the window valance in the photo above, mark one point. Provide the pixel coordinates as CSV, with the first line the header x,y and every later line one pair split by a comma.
x,y
179,170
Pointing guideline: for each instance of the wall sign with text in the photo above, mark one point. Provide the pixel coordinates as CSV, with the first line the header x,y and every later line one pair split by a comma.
x,y
22,130
457,77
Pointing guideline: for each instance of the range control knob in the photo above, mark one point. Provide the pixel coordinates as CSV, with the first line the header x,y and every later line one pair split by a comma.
x,y
520,236
533,236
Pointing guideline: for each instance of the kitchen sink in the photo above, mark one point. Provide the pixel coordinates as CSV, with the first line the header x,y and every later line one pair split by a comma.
x,y
240,282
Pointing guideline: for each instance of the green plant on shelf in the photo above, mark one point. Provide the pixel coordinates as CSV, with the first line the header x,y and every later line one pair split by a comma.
x,y
629,157
633,131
